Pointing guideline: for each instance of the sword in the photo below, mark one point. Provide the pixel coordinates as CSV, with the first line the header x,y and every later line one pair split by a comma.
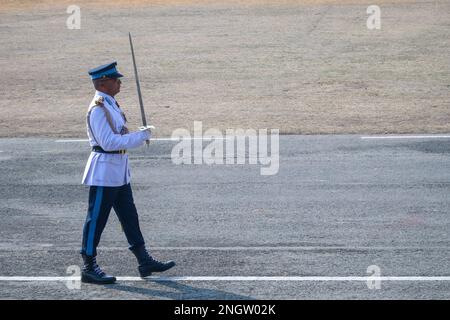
x,y
141,104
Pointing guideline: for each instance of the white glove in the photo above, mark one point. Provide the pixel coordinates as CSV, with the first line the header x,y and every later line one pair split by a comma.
x,y
149,128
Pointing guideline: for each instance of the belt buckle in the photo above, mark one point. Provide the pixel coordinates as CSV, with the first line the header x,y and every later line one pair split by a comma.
x,y
122,152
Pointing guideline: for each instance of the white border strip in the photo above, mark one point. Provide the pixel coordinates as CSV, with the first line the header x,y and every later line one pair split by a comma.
x,y
241,278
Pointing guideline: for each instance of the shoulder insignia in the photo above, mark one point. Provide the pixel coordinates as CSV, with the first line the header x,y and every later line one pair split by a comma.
x,y
99,101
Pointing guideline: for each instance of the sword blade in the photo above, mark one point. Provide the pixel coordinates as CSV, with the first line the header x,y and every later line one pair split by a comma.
x,y
138,86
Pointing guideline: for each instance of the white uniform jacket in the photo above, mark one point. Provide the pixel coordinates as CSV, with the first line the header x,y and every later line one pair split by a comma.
x,y
109,170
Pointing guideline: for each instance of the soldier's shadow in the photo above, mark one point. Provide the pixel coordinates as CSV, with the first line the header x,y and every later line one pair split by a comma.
x,y
182,291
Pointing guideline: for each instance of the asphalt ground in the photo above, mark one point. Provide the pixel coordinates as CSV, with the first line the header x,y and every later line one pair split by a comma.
x,y
338,205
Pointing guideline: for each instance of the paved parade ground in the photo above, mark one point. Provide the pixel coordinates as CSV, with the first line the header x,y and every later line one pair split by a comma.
x,y
358,207
338,205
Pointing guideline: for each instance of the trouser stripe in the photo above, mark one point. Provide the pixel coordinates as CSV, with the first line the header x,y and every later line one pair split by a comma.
x,y
93,224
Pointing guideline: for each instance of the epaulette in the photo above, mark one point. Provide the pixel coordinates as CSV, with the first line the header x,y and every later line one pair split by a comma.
x,y
99,101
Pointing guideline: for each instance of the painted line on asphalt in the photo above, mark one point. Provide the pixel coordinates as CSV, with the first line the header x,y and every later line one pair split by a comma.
x,y
241,278
406,137
49,247
72,140
224,138
288,278
153,139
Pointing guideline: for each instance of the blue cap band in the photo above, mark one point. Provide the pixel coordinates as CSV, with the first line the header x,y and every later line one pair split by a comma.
x,y
107,70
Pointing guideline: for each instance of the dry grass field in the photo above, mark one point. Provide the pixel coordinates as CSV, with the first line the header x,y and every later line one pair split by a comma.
x,y
301,66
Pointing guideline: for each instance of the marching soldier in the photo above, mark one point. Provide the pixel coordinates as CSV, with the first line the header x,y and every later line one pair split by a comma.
x,y
107,173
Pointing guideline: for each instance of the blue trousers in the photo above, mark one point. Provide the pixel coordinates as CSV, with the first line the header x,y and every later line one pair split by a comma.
x,y
101,200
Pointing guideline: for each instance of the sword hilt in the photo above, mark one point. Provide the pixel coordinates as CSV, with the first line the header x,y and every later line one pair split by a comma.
x,y
146,127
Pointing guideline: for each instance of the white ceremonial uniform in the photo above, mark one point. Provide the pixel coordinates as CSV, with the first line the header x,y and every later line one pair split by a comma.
x,y
109,170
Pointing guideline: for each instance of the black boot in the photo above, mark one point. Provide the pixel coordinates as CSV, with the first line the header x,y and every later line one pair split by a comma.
x,y
92,273
147,264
